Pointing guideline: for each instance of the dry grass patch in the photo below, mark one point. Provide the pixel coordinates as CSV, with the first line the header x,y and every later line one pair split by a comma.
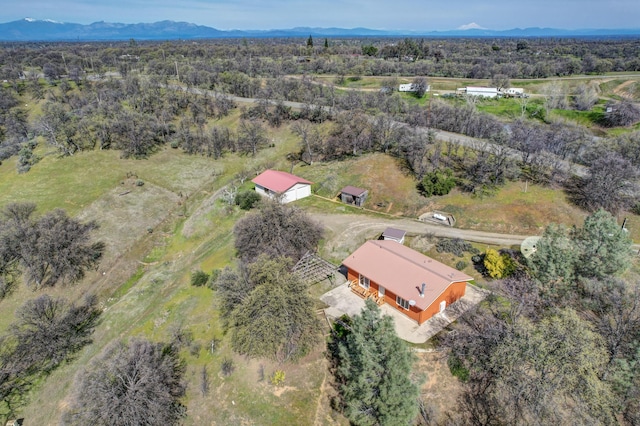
x,y
391,188
440,390
511,210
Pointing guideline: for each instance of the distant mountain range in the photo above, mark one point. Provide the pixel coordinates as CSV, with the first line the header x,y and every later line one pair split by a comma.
x,y
46,30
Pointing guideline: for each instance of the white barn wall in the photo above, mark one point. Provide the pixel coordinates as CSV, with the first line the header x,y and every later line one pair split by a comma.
x,y
296,192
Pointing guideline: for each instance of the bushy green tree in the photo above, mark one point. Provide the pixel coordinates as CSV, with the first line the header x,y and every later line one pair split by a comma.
x,y
369,50
373,370
596,250
246,200
199,278
494,264
276,319
605,249
438,182
553,263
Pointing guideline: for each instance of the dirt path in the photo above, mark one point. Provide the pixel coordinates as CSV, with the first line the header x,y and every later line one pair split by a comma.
x,y
350,230
620,90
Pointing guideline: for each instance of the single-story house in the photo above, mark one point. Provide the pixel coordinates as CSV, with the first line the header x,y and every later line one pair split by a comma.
x,y
414,284
352,195
274,183
394,234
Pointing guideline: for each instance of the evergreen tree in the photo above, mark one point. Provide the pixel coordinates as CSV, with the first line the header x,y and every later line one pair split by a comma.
x,y
553,263
438,182
276,319
310,42
373,369
605,249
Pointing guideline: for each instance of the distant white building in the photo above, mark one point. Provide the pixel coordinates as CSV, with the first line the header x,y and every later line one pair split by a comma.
x,y
486,92
410,88
515,92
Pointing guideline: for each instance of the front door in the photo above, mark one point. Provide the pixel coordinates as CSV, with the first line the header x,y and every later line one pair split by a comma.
x,y
380,291
364,281
443,305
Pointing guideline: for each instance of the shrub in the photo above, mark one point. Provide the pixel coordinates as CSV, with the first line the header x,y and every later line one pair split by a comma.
x,y
438,182
199,278
139,182
499,265
277,378
26,159
494,263
227,367
457,368
460,265
455,246
247,200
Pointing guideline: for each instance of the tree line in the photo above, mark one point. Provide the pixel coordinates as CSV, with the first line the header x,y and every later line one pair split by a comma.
x,y
206,61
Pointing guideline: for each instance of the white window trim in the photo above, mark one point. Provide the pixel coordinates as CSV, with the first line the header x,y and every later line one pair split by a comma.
x,y
402,303
363,281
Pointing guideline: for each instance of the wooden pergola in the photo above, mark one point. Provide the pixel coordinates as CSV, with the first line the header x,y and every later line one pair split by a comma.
x,y
312,269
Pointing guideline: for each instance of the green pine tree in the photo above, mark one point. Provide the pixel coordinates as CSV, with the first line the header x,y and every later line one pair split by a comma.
x,y
276,319
373,370
605,249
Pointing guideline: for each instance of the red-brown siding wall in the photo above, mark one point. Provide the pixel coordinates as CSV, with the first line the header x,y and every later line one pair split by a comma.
x,y
454,292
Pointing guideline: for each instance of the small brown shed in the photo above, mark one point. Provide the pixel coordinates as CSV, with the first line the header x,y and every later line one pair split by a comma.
x,y
353,195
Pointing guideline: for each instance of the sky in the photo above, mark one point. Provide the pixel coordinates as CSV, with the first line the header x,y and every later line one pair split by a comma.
x,y
425,15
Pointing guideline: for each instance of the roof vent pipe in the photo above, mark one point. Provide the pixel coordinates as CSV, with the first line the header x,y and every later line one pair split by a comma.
x,y
422,290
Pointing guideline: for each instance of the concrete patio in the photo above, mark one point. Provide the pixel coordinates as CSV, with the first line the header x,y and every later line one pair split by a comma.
x,y
342,300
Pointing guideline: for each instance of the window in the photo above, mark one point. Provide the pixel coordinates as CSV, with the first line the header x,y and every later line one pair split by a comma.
x,y
401,302
363,281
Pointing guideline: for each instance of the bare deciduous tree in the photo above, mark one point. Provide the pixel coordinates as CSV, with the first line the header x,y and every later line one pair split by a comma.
x,y
47,332
139,383
276,230
585,97
610,184
251,136
51,249
623,113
